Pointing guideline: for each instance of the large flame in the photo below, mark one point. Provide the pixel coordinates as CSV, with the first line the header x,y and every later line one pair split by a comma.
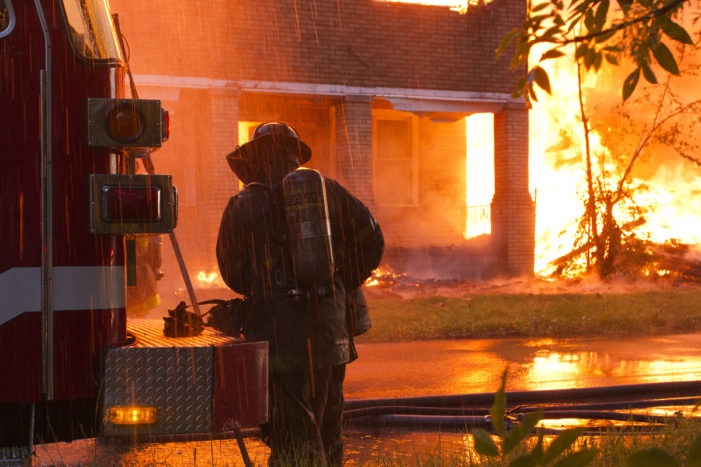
x,y
557,162
558,166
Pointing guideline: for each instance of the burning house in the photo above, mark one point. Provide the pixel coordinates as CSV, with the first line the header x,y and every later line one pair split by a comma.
x,y
379,90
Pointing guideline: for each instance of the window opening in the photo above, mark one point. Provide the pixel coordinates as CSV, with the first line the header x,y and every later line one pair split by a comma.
x,y
91,29
479,187
395,161
7,18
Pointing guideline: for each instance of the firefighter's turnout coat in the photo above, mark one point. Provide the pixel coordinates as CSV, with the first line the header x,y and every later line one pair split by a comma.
x,y
305,328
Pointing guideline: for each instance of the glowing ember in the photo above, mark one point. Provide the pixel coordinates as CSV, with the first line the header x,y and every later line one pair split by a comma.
x,y
386,276
455,5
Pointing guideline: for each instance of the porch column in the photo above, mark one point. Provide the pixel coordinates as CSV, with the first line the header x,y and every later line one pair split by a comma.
x,y
354,146
513,211
220,183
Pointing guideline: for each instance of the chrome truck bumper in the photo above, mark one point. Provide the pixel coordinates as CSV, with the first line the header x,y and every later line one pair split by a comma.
x,y
205,384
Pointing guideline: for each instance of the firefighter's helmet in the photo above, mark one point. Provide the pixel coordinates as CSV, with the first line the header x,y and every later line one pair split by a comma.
x,y
267,135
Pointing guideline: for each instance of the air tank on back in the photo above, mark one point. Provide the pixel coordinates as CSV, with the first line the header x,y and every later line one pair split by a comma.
x,y
308,226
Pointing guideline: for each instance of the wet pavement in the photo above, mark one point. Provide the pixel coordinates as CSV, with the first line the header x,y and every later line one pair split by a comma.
x,y
431,368
471,366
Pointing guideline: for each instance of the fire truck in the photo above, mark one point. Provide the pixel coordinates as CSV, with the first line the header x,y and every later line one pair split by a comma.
x,y
71,207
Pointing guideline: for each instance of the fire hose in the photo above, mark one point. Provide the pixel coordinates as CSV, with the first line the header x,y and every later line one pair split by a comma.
x,y
463,412
225,316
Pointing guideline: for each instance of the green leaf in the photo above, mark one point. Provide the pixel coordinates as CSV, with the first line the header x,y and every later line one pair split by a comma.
x,y
612,59
577,459
630,83
519,87
665,58
506,40
598,58
625,5
531,92
497,410
590,21
694,457
519,432
648,74
542,79
539,7
530,420
651,457
613,48
601,14
484,444
563,441
525,460
676,32
551,34
581,50
552,53
512,439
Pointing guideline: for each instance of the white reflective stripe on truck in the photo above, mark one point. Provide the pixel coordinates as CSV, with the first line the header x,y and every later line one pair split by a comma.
x,y
74,288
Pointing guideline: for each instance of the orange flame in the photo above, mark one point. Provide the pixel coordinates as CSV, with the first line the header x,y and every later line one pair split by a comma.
x,y
460,6
209,280
557,164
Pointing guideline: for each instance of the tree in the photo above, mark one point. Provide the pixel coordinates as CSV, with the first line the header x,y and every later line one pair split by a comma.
x,y
658,120
636,29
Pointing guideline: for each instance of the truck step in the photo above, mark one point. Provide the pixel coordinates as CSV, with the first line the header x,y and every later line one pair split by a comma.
x,y
15,456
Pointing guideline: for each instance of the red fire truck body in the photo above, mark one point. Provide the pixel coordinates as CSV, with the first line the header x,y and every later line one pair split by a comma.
x,y
69,205
89,314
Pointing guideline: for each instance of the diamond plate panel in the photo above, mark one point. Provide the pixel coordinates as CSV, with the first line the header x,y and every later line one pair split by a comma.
x,y
177,380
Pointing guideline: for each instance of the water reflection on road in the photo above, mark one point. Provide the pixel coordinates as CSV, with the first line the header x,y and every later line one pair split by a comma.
x,y
433,368
469,366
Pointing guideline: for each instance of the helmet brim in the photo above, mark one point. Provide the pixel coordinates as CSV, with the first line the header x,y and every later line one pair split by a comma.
x,y
241,159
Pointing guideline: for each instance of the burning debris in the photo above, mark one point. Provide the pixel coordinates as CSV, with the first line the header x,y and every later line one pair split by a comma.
x,y
211,280
638,258
385,276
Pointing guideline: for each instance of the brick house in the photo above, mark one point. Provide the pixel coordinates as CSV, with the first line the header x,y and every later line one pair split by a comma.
x,y
378,90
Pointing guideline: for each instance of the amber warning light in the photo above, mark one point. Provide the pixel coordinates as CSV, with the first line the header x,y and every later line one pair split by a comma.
x,y
132,415
126,123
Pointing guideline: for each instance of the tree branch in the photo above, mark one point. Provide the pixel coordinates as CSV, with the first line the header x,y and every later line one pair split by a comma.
x,y
673,4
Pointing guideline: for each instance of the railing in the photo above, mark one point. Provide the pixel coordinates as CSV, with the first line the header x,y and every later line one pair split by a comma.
x,y
478,221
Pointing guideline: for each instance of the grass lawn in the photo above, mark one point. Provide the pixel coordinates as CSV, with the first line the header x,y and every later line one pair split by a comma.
x,y
533,315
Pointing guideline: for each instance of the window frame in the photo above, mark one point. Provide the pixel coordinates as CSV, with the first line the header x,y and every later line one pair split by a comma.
x,y
386,114
11,24
103,56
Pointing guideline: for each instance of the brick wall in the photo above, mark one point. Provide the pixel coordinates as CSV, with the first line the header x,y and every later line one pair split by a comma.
x,y
354,146
348,42
513,212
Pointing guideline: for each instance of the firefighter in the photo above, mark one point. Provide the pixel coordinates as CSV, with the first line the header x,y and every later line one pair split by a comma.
x,y
308,318
144,296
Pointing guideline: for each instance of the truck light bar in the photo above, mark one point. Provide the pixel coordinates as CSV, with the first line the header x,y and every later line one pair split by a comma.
x,y
131,203
132,415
